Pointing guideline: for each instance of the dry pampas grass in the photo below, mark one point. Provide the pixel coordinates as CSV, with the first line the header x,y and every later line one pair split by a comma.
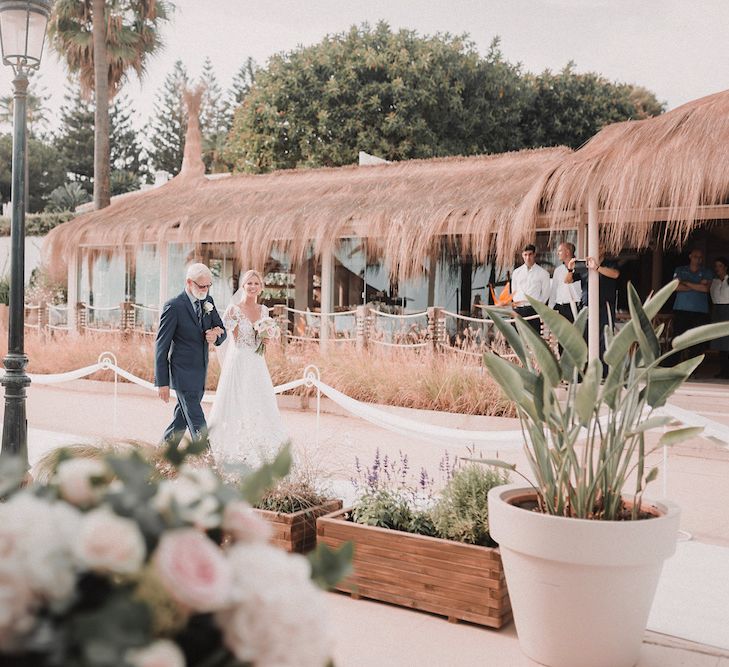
x,y
406,378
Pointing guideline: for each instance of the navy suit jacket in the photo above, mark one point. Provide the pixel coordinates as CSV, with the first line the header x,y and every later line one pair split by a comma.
x,y
181,351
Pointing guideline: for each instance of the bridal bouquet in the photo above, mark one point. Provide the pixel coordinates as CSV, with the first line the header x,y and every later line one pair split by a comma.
x,y
266,329
108,566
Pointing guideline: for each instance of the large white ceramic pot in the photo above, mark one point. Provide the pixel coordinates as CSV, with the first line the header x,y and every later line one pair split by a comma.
x,y
580,590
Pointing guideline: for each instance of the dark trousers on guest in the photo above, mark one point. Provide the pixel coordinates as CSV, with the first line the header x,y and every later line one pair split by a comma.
x,y
565,310
528,311
188,415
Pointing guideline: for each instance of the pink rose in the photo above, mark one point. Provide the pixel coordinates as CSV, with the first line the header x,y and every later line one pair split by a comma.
x,y
75,480
193,570
109,543
243,524
161,653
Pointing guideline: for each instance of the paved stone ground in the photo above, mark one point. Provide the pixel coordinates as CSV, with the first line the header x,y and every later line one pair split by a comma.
x,y
374,634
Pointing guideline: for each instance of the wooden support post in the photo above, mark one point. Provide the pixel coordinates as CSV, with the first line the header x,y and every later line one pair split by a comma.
x,y
72,292
436,327
327,274
593,301
362,328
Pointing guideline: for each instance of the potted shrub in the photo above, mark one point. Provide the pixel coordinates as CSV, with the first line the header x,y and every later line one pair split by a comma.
x,y
424,551
291,508
582,549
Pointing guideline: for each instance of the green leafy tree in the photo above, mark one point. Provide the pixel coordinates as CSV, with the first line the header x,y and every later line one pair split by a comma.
x,y
66,197
394,94
36,110
75,139
166,130
568,108
102,41
213,120
243,81
45,171
128,159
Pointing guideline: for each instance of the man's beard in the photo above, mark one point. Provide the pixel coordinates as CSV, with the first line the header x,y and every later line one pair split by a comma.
x,y
198,294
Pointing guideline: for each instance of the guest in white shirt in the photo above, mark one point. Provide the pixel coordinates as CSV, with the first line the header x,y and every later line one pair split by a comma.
x,y
532,280
719,290
565,297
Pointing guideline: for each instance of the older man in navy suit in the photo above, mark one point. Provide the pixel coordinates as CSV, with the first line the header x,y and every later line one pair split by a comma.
x,y
188,324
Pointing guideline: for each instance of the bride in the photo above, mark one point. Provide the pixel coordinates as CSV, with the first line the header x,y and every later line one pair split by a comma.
x,y
245,424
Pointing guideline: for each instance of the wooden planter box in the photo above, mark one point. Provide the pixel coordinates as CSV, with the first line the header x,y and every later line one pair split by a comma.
x,y
297,531
460,581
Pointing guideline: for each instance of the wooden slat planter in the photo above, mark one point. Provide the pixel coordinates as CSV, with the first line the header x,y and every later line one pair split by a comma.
x,y
297,531
461,581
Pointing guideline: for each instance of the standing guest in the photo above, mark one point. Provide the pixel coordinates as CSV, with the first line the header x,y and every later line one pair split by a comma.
x,y
719,290
691,306
532,280
565,296
609,273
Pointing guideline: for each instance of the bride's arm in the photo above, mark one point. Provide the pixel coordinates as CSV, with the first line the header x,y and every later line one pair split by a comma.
x,y
230,319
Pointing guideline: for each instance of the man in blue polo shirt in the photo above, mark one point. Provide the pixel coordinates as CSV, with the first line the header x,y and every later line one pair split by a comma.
x,y
691,306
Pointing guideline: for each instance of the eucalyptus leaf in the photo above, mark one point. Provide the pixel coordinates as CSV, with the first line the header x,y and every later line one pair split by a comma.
x,y
257,483
329,566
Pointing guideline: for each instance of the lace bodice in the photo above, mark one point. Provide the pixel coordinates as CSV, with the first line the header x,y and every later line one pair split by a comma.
x,y
235,319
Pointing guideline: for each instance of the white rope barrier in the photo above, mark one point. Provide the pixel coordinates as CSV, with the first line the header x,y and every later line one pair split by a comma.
x,y
153,309
487,321
104,308
386,344
399,317
32,306
60,308
511,439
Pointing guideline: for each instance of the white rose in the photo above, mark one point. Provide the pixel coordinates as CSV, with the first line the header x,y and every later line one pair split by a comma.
x,y
208,307
277,616
244,524
109,543
75,480
190,500
161,653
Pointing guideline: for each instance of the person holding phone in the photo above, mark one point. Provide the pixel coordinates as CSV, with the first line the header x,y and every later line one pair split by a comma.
x,y
564,297
607,268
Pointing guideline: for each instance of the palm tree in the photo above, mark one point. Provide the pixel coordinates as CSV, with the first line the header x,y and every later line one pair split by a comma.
x,y
102,41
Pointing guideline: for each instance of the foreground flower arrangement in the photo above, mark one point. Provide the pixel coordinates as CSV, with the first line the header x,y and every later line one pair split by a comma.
x,y
107,566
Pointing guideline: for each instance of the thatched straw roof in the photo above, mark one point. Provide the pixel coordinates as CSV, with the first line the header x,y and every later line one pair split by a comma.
x,y
406,208
672,168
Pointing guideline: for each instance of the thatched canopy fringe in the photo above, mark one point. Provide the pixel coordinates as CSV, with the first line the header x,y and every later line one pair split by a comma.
x,y
404,209
664,168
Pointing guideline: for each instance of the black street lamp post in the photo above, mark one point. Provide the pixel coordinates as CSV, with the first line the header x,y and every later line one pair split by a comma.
x,y
22,34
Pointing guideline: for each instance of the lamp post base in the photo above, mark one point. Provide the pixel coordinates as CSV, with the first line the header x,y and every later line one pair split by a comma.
x,y
15,423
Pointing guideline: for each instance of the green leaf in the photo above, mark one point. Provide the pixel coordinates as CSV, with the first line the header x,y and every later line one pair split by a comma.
x,y
700,335
510,378
586,395
329,567
508,332
651,476
497,463
662,382
646,336
542,354
650,424
569,336
679,435
257,483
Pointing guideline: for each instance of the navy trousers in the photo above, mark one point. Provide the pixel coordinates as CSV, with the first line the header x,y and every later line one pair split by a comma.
x,y
188,415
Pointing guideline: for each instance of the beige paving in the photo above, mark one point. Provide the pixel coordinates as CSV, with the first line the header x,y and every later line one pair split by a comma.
x,y
369,633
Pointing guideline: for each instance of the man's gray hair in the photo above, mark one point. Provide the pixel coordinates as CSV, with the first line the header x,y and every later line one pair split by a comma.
x,y
197,271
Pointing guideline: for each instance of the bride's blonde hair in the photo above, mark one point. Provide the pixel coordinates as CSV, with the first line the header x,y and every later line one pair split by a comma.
x,y
251,273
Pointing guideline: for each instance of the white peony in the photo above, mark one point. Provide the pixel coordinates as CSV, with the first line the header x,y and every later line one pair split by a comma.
x,y
161,653
108,543
277,618
75,480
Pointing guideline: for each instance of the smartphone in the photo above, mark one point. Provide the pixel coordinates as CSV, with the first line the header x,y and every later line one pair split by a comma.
x,y
580,264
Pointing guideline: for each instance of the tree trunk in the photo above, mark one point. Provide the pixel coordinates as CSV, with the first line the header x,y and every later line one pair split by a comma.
x,y
102,187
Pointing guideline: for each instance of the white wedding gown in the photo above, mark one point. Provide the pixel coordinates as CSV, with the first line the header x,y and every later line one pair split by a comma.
x,y
245,424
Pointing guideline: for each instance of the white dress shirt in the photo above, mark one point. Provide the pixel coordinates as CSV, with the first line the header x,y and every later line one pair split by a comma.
x,y
720,290
534,282
562,292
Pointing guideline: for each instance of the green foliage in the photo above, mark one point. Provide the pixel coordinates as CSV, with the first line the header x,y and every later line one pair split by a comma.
x,y
383,508
399,95
461,512
67,197
5,290
585,436
393,94
127,157
37,224
328,567
166,130
214,119
45,170
568,108
291,494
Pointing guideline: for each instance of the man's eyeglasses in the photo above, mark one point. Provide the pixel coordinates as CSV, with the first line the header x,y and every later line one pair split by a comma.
x,y
199,286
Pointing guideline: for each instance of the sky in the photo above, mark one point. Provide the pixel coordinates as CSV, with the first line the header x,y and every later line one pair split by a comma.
x,y
676,48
